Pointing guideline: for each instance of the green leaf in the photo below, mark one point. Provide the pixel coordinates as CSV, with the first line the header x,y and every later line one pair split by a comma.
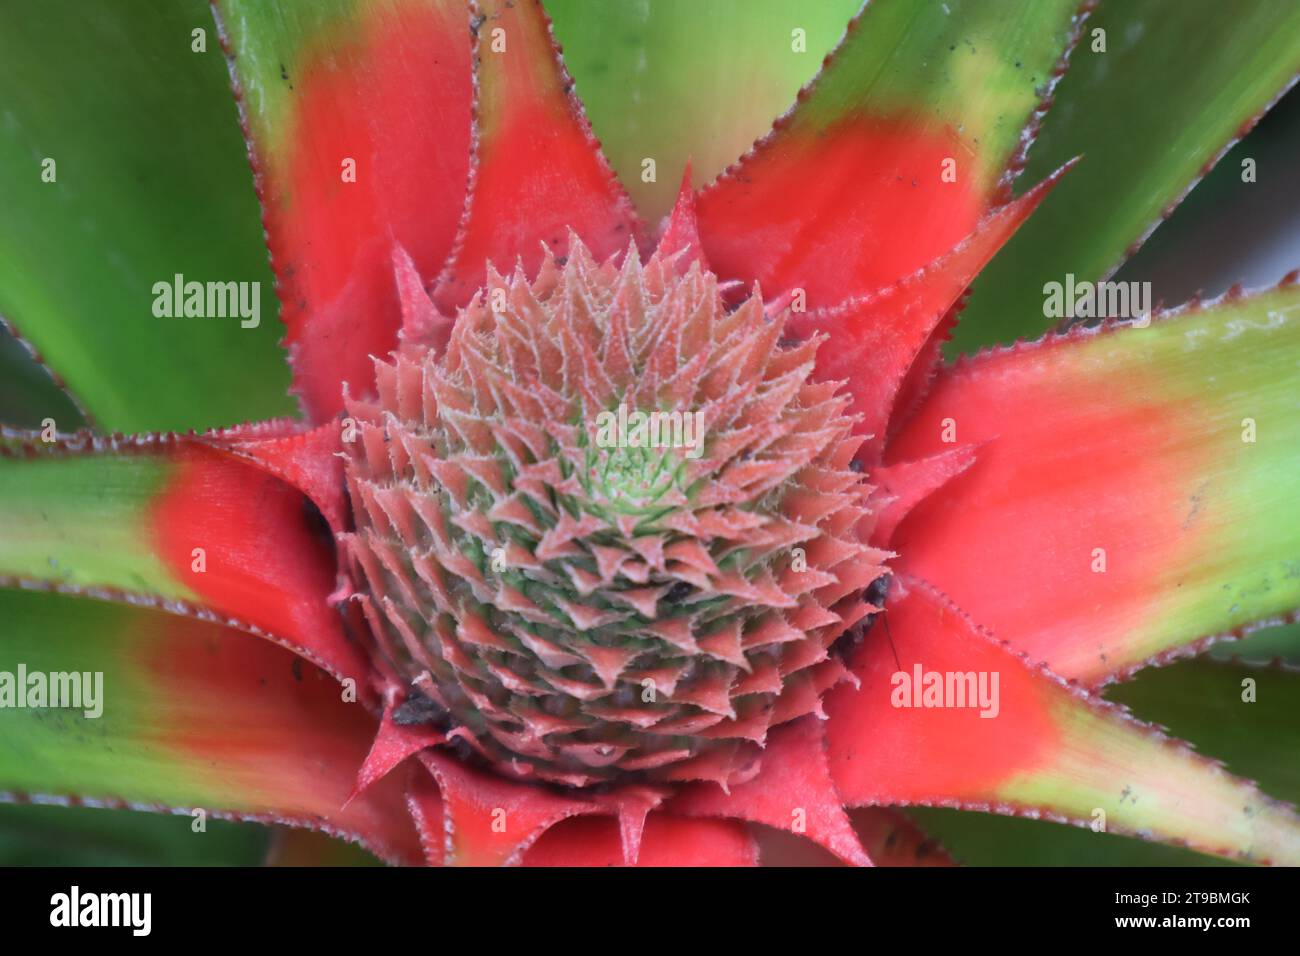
x,y
1266,644
1202,701
37,835
150,180
85,522
28,395
1178,80
678,80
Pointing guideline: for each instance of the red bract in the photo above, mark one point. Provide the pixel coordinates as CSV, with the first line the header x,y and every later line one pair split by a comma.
x,y
867,581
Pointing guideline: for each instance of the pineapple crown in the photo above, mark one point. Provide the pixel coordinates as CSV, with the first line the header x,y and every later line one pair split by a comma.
x,y
612,529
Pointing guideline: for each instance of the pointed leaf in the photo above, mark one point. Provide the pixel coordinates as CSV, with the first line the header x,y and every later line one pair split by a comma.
x,y
149,182
193,716
893,154
888,835
681,231
659,85
1200,701
181,526
792,791
490,820
358,116
1138,490
874,343
904,485
1248,714
1180,81
394,742
538,171
1035,745
424,803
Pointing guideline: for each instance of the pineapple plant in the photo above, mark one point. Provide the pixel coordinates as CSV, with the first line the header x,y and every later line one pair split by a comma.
x,y
626,510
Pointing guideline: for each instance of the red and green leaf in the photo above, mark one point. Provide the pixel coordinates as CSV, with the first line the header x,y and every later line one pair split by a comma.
x,y
895,151
358,117
876,343
1206,702
538,171
194,716
181,526
1043,747
1135,492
